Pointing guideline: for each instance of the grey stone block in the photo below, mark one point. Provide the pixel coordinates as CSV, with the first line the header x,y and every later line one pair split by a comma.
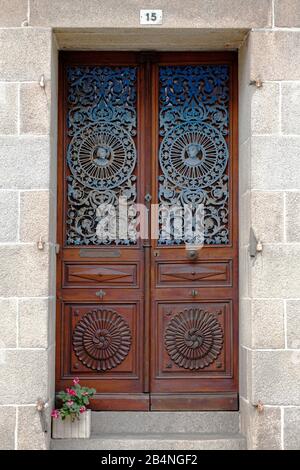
x,y
245,322
244,272
7,427
290,107
245,91
30,433
112,13
13,12
263,430
8,323
293,217
275,55
24,376
34,216
287,13
291,428
293,324
245,373
265,109
33,323
9,215
275,377
244,218
153,442
35,108
124,39
275,272
51,320
113,422
275,162
29,54
267,323
24,271
24,162
8,108
267,229
244,167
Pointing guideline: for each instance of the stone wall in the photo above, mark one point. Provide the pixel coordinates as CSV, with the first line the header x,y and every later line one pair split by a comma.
x,y
27,212
267,32
269,202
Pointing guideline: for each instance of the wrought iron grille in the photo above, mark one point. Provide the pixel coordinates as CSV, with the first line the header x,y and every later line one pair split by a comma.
x,y
193,154
101,155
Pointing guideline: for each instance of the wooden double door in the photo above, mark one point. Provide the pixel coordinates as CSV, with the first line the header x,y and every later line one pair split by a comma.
x,y
148,319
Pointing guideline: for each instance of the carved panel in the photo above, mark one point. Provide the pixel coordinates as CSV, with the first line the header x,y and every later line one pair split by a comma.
x,y
101,155
102,339
193,153
106,275
208,274
194,338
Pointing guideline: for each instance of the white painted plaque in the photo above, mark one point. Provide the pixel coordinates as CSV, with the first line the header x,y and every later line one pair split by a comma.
x,y
151,17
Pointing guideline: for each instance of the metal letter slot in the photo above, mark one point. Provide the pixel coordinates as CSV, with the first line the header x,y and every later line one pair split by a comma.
x,y
87,253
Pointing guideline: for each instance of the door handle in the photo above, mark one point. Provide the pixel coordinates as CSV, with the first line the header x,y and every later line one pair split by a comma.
x,y
192,255
194,293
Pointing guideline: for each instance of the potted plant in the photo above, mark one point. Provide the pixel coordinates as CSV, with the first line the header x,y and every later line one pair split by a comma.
x,y
73,419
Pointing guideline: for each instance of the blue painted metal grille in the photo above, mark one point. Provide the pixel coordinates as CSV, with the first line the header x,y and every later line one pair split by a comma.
x,y
193,154
101,155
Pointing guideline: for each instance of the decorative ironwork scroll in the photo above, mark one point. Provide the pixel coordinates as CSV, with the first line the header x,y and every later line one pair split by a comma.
x,y
101,155
193,153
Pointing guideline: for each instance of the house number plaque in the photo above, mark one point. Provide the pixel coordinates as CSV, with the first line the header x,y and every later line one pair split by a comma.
x,y
151,17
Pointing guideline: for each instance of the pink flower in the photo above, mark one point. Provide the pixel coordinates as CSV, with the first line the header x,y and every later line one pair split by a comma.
x,y
70,402
55,414
76,381
82,409
70,391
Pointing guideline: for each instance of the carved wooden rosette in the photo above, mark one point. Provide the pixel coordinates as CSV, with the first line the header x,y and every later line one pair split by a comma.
x,y
102,339
194,339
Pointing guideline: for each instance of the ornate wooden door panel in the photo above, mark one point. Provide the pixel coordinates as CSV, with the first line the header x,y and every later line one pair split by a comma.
x,y
194,291
150,323
100,326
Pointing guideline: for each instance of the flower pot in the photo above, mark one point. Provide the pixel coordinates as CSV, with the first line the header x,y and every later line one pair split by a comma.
x,y
68,429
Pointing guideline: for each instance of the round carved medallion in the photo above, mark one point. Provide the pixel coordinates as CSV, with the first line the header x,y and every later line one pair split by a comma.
x,y
101,156
102,339
194,339
193,155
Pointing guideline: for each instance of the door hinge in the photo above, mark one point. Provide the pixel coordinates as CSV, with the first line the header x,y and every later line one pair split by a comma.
x,y
255,245
57,248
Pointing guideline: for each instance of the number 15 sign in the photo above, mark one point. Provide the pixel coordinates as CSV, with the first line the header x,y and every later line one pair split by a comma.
x,y
150,17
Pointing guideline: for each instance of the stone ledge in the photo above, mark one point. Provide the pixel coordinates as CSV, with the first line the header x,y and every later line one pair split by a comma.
x,y
122,39
153,442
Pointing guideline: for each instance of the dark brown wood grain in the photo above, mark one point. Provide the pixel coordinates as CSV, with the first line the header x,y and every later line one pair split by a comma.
x,y
149,284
